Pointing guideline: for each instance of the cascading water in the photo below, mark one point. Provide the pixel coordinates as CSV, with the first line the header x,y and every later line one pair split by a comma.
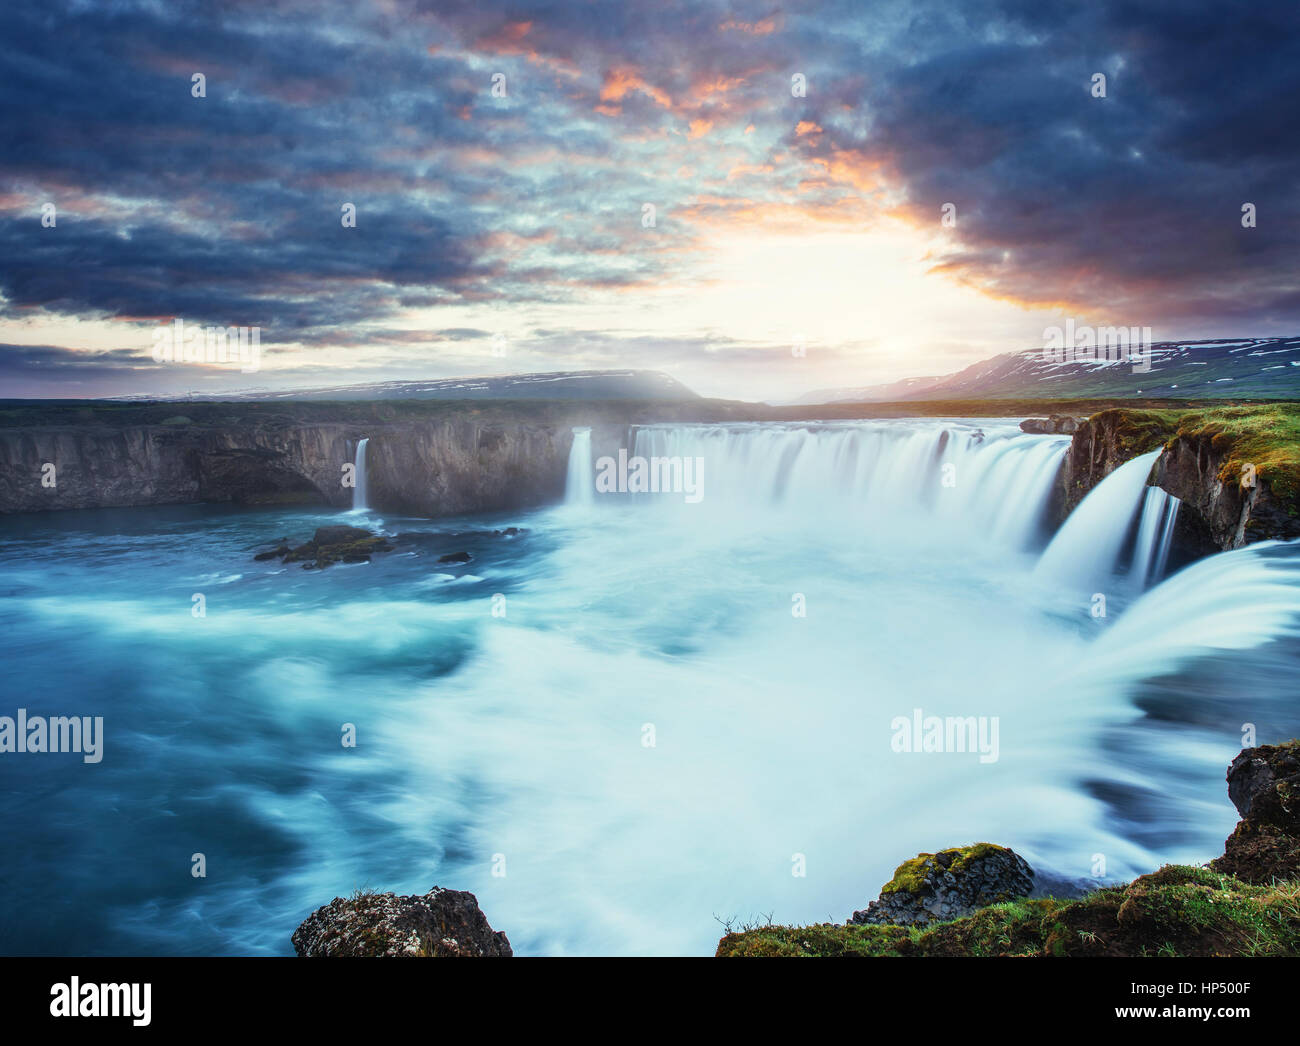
x,y
1086,549
1155,532
768,636
359,491
988,480
579,484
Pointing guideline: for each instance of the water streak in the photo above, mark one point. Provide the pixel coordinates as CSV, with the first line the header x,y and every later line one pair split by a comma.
x,y
1085,551
579,485
359,497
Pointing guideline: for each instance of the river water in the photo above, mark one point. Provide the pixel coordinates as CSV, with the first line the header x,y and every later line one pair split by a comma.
x,y
634,718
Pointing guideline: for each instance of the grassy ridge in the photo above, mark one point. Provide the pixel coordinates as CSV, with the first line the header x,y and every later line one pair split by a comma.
x,y
1266,435
1178,910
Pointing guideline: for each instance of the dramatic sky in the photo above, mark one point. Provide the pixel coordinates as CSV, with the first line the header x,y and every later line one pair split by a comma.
x,y
509,234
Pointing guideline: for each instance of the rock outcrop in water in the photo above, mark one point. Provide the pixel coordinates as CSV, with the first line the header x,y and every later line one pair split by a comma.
x,y
441,924
948,885
330,545
1244,903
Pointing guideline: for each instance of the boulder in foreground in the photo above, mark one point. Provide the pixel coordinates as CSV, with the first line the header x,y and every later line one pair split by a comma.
x,y
948,885
442,923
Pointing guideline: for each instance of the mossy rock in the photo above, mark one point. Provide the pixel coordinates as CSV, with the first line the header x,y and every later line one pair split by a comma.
x,y
1177,910
949,884
910,875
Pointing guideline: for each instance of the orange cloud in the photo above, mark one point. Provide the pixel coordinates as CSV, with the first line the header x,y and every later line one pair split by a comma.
x,y
621,82
716,85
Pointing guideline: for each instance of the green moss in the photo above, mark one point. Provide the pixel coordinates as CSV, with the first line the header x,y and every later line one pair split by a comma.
x,y
1176,911
911,874
1139,431
1266,436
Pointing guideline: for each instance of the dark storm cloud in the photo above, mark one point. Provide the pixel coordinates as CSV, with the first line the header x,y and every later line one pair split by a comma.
x,y
1130,201
226,209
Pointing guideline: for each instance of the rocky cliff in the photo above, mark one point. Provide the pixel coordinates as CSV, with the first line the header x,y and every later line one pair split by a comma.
x,y
437,458
1228,501
423,458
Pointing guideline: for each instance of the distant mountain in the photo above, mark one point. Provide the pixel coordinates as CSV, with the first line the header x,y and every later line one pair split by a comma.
x,y
1253,367
907,388
560,385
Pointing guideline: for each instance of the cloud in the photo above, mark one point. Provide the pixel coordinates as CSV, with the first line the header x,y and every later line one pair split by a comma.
x,y
226,209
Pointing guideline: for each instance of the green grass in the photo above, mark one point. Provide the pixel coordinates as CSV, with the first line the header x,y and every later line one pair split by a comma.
x,y
1178,910
1266,435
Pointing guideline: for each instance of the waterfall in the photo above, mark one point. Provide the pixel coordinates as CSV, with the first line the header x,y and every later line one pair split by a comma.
x,y
1155,529
984,479
359,491
1086,549
579,485
1235,600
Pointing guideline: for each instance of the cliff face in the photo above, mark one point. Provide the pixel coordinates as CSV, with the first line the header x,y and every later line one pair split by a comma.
x,y
1218,513
97,467
422,459
1233,513
428,468
446,458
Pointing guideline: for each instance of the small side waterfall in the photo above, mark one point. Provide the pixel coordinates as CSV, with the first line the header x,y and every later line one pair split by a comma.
x,y
1155,529
359,491
579,485
1088,546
